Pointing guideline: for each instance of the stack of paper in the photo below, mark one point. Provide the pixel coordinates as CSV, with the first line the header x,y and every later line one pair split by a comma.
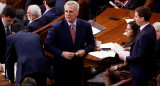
x,y
103,54
118,49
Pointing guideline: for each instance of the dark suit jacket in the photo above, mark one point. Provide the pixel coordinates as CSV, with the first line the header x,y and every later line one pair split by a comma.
x,y
59,40
49,16
157,55
132,4
60,5
35,25
141,57
2,43
26,49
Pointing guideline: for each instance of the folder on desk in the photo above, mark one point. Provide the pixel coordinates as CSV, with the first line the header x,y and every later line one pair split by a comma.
x,y
96,28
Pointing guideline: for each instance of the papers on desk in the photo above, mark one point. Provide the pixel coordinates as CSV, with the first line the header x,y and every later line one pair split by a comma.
x,y
129,20
107,45
95,30
115,48
103,54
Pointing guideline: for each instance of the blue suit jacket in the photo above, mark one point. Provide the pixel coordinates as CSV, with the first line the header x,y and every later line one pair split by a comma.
x,y
132,4
49,16
60,5
26,49
141,58
59,39
35,25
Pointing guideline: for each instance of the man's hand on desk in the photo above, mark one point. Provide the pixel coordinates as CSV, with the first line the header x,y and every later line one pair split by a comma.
x,y
80,53
1,68
68,55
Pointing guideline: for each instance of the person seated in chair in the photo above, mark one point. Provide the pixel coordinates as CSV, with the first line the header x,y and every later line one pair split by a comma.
x,y
114,71
34,22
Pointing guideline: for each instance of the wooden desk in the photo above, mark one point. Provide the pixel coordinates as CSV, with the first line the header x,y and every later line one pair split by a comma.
x,y
115,28
3,83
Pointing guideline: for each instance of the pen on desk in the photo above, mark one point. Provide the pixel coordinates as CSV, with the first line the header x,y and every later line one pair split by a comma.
x,y
125,17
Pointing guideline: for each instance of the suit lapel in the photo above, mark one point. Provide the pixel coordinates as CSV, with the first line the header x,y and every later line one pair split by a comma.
x,y
78,32
67,32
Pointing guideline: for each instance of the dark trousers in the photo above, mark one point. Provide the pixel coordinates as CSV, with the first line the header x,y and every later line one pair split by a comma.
x,y
140,82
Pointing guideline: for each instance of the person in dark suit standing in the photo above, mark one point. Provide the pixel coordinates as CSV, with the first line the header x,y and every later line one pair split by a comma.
x,y
69,40
51,12
130,4
25,48
60,5
9,14
141,59
34,22
156,25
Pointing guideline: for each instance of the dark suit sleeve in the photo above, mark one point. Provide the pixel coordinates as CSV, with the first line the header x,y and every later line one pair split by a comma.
x,y
157,50
136,3
90,42
51,41
143,44
2,45
10,60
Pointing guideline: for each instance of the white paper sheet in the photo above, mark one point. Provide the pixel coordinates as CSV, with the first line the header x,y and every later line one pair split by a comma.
x,y
103,54
95,30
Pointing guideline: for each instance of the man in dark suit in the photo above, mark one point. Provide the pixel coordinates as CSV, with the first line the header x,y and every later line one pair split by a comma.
x,y
60,5
141,59
130,4
6,21
34,22
156,25
25,48
69,40
51,13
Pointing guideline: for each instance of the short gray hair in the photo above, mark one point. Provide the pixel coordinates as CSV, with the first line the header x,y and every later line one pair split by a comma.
x,y
156,25
35,10
76,5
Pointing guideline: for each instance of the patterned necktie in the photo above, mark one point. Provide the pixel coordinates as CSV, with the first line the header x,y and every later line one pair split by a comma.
x,y
72,33
124,3
7,31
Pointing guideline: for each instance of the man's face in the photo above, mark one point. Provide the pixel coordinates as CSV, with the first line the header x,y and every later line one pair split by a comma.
x,y
29,15
137,19
70,13
158,34
8,21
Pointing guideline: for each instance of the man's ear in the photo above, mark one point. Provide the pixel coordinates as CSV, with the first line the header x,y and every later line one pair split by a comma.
x,y
142,19
77,13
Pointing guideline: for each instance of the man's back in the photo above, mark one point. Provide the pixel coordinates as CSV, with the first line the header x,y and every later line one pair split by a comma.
x,y
30,57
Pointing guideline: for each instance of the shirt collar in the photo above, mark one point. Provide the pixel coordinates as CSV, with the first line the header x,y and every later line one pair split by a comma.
x,y
46,11
74,23
141,28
